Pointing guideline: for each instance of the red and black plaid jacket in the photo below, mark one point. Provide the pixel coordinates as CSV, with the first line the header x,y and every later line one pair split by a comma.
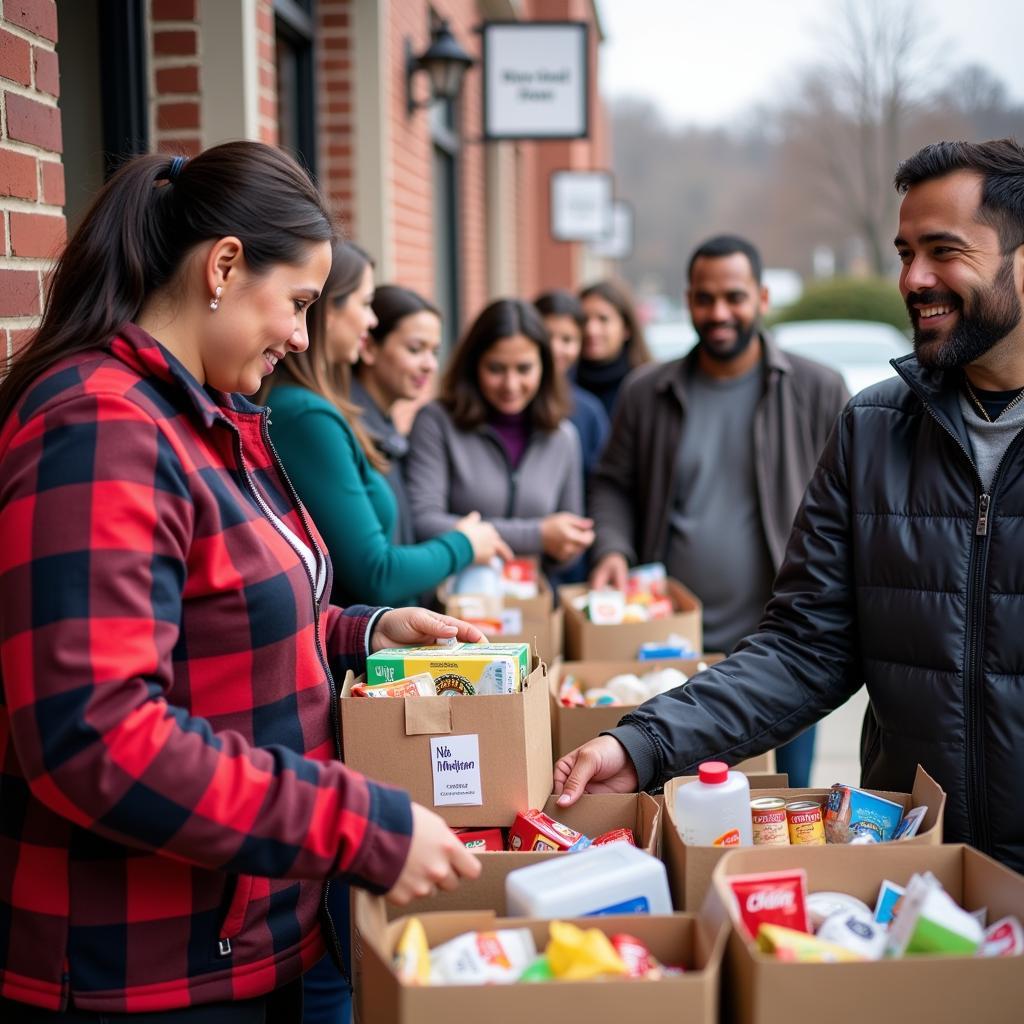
x,y
167,716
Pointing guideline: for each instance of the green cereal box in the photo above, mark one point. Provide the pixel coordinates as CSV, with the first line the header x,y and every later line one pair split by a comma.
x,y
457,670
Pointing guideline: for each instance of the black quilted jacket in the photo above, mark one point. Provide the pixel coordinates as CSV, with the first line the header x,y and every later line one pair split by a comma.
x,y
900,575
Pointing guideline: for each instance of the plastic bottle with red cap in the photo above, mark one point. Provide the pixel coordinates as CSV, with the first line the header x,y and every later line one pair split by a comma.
x,y
715,809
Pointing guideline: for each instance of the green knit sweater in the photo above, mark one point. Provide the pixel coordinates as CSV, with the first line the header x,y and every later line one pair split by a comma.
x,y
353,506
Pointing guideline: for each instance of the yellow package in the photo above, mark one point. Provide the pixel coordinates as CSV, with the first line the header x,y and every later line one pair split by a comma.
x,y
459,670
578,955
799,947
412,955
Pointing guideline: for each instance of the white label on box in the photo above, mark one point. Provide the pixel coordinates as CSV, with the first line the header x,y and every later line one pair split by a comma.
x,y
511,621
455,762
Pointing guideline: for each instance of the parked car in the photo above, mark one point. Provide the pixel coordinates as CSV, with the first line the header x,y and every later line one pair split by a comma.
x,y
859,349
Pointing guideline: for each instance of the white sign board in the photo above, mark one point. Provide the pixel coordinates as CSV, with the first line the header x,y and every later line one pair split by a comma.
x,y
455,763
581,205
535,80
618,245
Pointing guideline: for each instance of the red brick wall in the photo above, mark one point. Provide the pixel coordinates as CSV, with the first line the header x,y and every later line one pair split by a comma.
x,y
266,50
336,99
31,175
176,77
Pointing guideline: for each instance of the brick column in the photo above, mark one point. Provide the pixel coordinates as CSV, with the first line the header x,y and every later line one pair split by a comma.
x,y
175,76
266,49
335,99
31,174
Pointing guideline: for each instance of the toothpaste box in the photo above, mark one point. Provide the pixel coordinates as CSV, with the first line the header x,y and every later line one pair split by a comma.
x,y
459,670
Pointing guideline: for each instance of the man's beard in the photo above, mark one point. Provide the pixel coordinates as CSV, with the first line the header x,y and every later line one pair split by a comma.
x,y
744,336
994,313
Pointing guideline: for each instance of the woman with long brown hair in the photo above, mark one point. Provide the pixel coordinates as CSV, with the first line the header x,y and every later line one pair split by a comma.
x,y
337,469
173,800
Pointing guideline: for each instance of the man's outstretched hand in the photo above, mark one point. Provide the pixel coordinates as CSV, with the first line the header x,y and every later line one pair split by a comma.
x,y
599,766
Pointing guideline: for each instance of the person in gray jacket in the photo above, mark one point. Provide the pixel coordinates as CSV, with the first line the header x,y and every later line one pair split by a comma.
x,y
497,440
904,569
709,457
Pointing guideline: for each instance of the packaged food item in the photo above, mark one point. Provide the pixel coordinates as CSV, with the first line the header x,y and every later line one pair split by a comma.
x,y
606,607
412,955
420,685
849,811
792,946
483,958
856,931
647,580
771,897
569,693
519,579
577,954
480,839
534,830
822,905
616,835
612,879
911,823
715,809
538,971
768,821
599,697
464,669
673,647
627,689
888,896
636,957
660,608
1004,938
806,828
861,838
636,613
929,921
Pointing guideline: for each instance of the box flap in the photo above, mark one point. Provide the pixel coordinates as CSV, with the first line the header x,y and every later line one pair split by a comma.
x,y
429,715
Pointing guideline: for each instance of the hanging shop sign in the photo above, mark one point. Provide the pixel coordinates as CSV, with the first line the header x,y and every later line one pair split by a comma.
x,y
618,244
581,205
536,80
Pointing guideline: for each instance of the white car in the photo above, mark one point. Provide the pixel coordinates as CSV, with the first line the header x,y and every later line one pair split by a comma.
x,y
859,349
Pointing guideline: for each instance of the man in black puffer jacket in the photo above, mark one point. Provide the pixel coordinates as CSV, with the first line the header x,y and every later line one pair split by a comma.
x,y
905,568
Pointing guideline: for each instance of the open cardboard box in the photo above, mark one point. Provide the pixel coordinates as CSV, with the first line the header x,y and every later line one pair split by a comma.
x,y
542,623
690,998
690,867
585,641
572,727
939,990
389,739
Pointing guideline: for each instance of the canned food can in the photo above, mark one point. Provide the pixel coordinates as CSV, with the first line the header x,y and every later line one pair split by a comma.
x,y
806,826
768,820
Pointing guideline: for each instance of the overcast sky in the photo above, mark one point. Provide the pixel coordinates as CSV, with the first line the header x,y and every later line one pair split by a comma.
x,y
708,61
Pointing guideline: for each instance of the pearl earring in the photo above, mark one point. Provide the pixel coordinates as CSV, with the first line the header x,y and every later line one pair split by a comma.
x,y
215,301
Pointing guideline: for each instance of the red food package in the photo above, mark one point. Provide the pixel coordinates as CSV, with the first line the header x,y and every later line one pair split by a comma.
x,y
635,955
481,839
616,835
534,830
771,897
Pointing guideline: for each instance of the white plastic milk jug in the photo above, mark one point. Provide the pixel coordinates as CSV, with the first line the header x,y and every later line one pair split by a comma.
x,y
715,810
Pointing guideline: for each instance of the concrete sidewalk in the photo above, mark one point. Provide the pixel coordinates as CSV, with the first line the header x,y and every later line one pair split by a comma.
x,y
837,750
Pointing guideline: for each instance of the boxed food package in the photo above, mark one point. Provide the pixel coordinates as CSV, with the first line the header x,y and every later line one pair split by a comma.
x,y
457,669
475,761
690,997
593,641
950,989
690,867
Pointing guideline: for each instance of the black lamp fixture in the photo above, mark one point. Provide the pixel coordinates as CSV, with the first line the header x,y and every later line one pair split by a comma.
x,y
444,61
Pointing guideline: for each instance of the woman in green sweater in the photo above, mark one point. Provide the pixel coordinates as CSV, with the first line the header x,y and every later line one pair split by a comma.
x,y
338,471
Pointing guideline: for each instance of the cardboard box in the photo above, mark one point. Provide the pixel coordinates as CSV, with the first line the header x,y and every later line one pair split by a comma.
x,y
690,867
403,741
690,998
542,623
572,727
938,990
585,641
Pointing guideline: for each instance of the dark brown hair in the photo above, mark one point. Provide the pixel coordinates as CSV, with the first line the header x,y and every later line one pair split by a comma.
x,y
143,224
560,302
313,369
460,388
618,296
392,303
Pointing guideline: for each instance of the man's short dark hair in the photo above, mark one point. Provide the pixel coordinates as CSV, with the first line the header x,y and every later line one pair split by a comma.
x,y
1000,163
726,245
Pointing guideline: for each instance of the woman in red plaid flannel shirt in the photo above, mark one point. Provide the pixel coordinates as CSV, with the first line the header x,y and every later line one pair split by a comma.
x,y
171,799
